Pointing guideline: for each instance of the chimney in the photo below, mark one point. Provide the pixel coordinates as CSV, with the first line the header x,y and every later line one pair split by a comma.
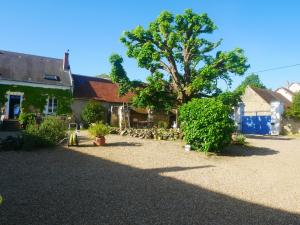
x,y
287,84
66,65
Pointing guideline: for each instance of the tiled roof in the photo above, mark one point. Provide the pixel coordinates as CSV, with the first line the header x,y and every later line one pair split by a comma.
x,y
270,96
32,69
286,89
99,89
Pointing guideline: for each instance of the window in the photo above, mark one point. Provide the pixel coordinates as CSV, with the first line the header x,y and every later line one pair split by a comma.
x,y
52,105
51,77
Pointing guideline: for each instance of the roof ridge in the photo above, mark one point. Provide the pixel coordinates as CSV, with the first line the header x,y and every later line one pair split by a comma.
x,y
26,54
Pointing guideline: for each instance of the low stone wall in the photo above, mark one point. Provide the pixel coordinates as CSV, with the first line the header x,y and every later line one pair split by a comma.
x,y
290,126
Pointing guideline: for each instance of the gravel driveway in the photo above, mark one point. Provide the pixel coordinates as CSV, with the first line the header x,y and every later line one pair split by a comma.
x,y
133,181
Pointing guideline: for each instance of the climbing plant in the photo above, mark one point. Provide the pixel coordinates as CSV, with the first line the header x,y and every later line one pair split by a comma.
x,y
35,98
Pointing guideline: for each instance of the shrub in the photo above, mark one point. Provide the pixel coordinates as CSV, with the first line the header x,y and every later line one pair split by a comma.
x,y
27,118
162,124
99,130
294,110
239,139
206,124
50,132
93,112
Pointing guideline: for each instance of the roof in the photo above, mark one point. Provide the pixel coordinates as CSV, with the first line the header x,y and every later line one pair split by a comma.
x,y
270,96
32,69
286,89
99,89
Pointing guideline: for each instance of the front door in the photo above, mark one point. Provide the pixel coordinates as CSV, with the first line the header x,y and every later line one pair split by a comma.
x,y
14,106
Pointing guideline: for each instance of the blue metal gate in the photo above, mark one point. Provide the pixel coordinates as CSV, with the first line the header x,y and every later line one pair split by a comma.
x,y
256,125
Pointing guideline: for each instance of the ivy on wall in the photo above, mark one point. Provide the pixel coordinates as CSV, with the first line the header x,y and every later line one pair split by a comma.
x,y
35,98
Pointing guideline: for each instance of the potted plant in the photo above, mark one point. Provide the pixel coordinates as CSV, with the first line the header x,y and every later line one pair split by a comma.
x,y
99,130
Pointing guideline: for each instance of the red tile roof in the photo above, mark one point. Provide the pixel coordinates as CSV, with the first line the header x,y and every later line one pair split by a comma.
x,y
98,89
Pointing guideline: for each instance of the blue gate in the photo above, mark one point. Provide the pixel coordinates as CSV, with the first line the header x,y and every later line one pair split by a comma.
x,y
256,125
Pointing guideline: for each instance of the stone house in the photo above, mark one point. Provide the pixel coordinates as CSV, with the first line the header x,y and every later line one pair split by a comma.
x,y
118,109
33,83
88,88
261,111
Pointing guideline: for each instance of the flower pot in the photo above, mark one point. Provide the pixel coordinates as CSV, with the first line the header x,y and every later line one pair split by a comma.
x,y
99,141
233,136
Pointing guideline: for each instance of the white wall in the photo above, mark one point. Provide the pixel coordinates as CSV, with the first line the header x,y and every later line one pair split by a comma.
x,y
295,87
285,94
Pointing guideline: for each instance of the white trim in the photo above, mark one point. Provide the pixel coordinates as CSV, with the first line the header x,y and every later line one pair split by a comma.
x,y
7,82
8,94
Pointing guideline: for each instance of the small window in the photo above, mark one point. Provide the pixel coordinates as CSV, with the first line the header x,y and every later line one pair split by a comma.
x,y
51,77
52,105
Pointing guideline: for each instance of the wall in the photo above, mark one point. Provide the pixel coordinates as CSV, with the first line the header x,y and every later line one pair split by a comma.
x,y
78,105
254,104
295,87
290,126
285,93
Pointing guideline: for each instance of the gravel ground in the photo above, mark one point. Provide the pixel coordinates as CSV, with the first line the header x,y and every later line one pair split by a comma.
x,y
133,181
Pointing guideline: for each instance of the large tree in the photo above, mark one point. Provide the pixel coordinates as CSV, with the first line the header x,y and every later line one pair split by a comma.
x,y
176,46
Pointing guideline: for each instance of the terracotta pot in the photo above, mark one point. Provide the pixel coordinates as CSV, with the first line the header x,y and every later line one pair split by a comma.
x,y
99,141
233,136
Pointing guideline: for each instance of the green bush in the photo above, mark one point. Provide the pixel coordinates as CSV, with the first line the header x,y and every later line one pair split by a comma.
x,y
50,132
99,129
26,119
93,112
206,124
239,139
294,110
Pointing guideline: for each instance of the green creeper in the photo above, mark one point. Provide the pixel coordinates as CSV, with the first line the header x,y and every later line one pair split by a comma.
x,y
118,74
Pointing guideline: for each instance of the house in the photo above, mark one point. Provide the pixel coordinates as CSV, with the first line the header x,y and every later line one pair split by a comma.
x,y
261,111
118,109
88,88
31,83
289,91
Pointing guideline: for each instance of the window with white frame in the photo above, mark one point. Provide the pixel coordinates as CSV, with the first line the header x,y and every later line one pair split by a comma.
x,y
52,105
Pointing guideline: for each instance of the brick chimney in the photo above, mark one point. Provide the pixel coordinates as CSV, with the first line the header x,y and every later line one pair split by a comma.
x,y
66,64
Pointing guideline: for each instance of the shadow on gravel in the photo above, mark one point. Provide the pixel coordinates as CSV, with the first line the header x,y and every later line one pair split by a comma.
x,y
68,187
282,138
123,144
240,150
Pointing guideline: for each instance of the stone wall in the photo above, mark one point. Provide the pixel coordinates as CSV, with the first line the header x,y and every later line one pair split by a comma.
x,y
78,105
254,104
290,126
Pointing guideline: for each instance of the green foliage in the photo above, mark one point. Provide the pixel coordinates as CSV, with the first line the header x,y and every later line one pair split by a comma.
x,y
50,132
35,98
294,110
239,139
252,80
162,124
27,118
206,124
92,112
157,95
230,98
118,74
99,130
176,46
104,76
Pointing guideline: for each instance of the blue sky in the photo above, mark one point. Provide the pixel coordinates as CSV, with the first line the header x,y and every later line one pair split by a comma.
x,y
268,31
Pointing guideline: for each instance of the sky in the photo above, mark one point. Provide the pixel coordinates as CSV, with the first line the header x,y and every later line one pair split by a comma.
x,y
268,31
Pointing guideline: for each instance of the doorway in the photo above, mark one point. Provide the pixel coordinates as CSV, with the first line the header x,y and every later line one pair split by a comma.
x,y
14,106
